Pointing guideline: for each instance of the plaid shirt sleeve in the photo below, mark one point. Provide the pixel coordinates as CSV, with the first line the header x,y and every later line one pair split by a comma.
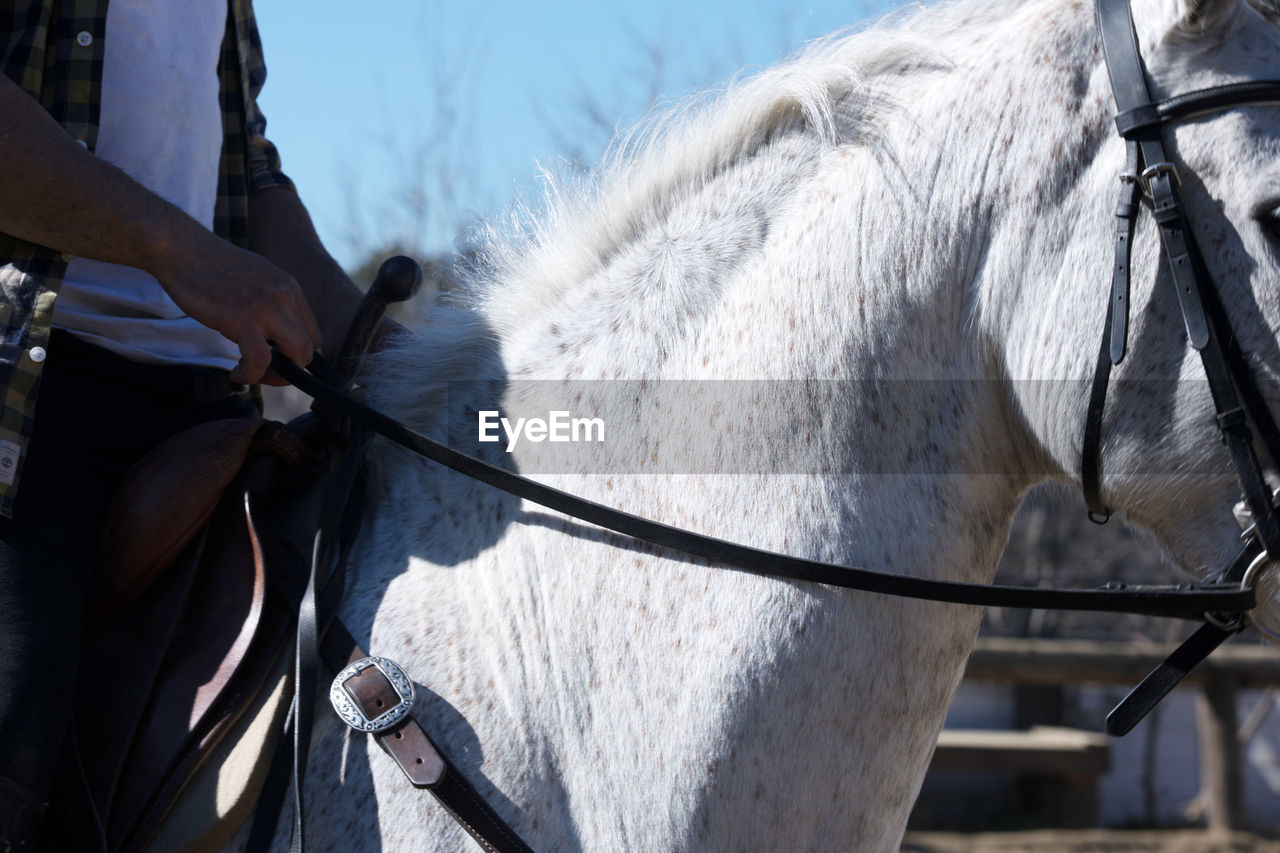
x,y
249,162
264,161
45,50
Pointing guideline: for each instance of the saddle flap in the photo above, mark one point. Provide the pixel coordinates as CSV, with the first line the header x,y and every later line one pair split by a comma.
x,y
169,675
162,503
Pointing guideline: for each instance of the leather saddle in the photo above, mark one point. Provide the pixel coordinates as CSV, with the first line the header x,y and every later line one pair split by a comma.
x,y
204,557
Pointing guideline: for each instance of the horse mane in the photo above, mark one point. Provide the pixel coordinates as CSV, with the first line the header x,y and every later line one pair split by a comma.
x,y
836,91
824,92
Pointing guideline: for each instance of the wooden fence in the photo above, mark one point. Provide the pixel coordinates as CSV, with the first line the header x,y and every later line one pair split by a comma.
x,y
1233,667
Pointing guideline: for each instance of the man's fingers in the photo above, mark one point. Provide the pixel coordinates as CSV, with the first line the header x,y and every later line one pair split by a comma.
x,y
255,358
292,327
273,378
282,319
294,346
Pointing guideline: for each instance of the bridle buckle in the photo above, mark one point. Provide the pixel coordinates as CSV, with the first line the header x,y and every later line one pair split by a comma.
x,y
359,696
1154,171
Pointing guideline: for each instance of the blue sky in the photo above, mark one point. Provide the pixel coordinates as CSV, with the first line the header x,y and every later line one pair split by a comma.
x,y
406,124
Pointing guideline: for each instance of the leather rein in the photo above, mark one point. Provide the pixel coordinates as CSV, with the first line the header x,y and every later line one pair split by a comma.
x,y
367,685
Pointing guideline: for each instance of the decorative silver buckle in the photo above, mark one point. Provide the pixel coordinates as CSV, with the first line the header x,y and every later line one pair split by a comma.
x,y
1155,170
349,709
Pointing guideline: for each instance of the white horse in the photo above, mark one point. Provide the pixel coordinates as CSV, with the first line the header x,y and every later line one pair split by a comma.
x,y
928,200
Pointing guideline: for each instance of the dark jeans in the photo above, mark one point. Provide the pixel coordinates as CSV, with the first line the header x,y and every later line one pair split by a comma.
x,y
98,413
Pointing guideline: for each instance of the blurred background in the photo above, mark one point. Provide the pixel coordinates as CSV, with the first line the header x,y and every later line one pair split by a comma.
x,y
405,128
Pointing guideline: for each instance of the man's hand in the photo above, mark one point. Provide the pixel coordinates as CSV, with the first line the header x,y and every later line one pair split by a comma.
x,y
247,299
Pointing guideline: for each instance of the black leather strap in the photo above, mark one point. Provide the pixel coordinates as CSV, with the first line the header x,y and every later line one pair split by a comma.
x,y
1187,601
1122,55
1196,104
333,537
1126,214
1128,82
1250,395
1167,208
1091,445
1115,334
1190,654
1134,708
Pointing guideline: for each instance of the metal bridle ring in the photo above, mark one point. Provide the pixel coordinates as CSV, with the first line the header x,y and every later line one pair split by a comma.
x,y
1251,576
1251,573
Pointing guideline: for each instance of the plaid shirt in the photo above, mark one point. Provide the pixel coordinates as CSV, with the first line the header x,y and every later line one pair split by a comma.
x,y
53,49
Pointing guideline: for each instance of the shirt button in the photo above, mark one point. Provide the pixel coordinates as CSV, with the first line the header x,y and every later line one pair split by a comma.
x,y
84,38
36,354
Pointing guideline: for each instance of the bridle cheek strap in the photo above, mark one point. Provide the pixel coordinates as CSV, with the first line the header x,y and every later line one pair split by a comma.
x,y
1151,173
1115,334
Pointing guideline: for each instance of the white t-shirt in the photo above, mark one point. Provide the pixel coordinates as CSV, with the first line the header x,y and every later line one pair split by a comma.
x,y
161,123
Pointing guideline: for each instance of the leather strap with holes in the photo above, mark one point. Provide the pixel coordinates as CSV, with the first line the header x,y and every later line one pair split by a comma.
x,y
423,764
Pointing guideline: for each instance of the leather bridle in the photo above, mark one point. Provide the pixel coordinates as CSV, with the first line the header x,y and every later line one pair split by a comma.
x,y
1152,175
1221,602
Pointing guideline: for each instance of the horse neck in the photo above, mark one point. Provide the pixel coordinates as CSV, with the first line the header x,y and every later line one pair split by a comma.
x,y
568,652
819,289
1026,183
937,243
